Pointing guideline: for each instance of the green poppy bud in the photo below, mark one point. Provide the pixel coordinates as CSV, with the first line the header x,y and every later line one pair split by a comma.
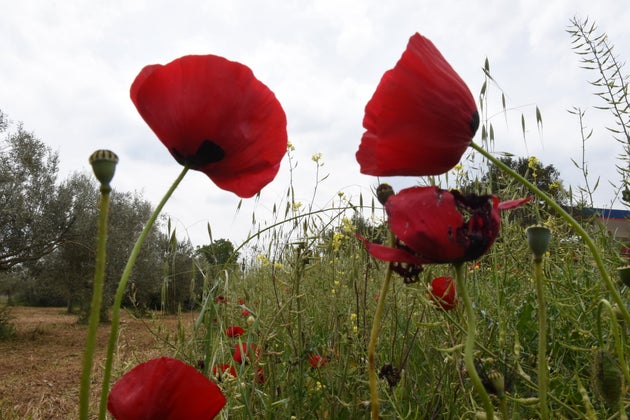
x,y
383,192
496,383
538,238
624,275
104,165
607,378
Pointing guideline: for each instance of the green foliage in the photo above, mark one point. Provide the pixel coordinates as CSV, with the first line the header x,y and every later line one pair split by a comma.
x,y
7,329
33,217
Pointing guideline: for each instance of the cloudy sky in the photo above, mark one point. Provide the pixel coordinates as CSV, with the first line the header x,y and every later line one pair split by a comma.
x,y
66,68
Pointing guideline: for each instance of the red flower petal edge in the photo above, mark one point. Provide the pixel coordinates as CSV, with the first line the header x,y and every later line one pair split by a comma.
x,y
512,204
421,118
215,116
164,389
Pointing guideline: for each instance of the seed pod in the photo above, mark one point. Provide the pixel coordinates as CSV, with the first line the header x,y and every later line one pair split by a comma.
x,y
104,165
538,238
383,192
607,378
624,275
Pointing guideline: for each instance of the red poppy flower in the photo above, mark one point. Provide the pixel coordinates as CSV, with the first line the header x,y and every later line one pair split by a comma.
x,y
164,388
215,116
245,312
316,361
220,299
421,118
234,331
443,293
435,226
220,370
243,352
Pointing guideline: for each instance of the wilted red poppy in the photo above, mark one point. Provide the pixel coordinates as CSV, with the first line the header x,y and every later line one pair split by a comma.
x,y
443,293
243,352
234,331
436,226
421,118
215,116
316,361
164,388
220,370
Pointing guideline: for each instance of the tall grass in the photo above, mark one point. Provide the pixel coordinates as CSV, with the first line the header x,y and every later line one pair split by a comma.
x,y
307,287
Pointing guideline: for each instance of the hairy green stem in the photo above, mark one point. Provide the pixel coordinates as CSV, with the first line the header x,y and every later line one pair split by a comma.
x,y
120,291
543,373
376,325
618,336
469,360
571,221
95,306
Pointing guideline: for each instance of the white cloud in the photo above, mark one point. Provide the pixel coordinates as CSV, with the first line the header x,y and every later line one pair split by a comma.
x,y
67,66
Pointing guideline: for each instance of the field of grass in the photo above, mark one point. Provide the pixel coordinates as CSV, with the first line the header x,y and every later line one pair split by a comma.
x,y
308,306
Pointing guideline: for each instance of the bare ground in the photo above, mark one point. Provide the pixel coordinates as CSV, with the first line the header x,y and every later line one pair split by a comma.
x,y
40,368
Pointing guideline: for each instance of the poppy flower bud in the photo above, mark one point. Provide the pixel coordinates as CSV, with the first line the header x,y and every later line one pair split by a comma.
x,y
104,165
383,192
607,378
496,383
538,238
624,275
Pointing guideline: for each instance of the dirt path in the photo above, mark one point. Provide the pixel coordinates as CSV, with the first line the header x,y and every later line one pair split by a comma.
x,y
40,368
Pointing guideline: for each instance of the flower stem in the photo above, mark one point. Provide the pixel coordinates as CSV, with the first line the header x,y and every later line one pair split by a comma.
x,y
120,291
543,373
571,221
95,306
617,335
469,360
376,324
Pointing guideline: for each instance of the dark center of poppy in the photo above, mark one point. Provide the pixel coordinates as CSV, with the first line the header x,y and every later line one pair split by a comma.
x,y
474,123
208,152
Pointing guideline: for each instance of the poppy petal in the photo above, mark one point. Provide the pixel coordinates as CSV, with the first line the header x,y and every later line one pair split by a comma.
x,y
234,331
215,116
427,219
512,204
443,293
421,118
386,253
164,389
